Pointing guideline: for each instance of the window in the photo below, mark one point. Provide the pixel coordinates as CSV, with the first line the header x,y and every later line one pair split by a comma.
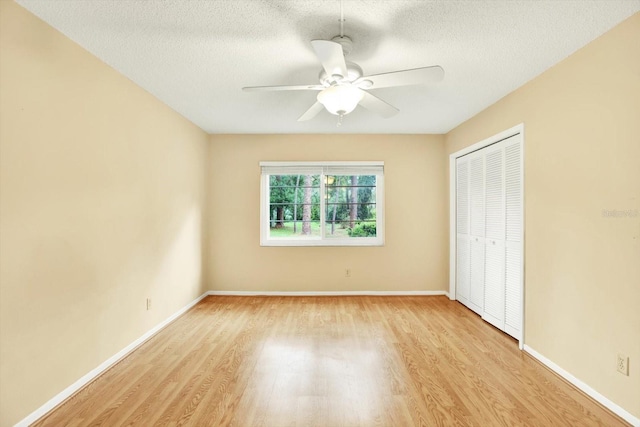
x,y
322,204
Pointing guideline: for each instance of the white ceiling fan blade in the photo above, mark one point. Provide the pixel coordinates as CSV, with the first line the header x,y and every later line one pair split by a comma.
x,y
277,88
415,76
377,105
311,112
331,56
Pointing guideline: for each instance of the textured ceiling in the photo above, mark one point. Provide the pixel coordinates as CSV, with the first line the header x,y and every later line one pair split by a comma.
x,y
195,56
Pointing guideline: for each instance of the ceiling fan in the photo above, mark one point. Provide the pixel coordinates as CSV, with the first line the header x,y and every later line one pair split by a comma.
x,y
342,85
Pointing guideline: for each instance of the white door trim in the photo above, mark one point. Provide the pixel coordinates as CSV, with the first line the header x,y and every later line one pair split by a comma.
x,y
518,129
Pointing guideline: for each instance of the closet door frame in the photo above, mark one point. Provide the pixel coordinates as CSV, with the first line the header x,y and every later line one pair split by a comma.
x,y
518,129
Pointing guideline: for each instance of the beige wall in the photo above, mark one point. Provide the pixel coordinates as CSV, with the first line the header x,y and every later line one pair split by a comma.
x,y
101,197
413,257
582,156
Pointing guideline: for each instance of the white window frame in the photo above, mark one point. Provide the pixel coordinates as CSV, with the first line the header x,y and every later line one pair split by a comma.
x,y
320,168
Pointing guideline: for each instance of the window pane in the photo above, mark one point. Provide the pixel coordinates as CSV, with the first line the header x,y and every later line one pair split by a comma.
x,y
350,206
294,206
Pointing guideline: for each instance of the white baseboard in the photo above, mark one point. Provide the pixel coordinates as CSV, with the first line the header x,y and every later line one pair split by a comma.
x,y
67,392
326,293
616,409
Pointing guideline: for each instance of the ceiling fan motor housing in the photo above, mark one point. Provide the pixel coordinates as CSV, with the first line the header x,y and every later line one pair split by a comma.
x,y
354,72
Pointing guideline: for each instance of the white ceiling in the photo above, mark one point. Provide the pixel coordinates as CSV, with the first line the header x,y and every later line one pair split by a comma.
x,y
195,56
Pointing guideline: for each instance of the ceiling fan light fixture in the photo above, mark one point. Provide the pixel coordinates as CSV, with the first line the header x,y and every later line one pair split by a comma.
x,y
340,99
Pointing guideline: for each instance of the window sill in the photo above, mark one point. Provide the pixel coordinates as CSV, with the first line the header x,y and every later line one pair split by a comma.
x,y
326,242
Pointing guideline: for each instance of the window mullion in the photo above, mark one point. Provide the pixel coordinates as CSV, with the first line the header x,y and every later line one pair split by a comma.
x,y
380,213
323,228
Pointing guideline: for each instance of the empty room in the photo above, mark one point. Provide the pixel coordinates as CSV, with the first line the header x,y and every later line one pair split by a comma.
x,y
319,213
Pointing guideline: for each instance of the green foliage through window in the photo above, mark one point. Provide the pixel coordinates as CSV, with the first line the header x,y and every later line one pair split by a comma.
x,y
349,201
324,203
364,229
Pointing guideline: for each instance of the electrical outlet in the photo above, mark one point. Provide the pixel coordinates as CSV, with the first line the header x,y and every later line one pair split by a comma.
x,y
622,365
347,272
148,303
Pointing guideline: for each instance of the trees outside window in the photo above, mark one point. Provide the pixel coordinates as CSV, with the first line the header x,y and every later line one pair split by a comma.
x,y
351,206
332,204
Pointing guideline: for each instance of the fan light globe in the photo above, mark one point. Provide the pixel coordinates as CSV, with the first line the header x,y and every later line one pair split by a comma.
x,y
340,99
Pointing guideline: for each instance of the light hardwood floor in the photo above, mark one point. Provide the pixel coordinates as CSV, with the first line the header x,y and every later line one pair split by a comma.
x,y
329,361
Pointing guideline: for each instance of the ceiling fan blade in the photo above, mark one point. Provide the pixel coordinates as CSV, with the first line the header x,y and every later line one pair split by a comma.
x,y
377,105
331,56
415,76
311,112
276,88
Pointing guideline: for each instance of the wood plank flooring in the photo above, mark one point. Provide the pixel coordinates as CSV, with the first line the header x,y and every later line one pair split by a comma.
x,y
329,361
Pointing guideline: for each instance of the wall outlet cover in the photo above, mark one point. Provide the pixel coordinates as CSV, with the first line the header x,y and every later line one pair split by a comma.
x,y
622,364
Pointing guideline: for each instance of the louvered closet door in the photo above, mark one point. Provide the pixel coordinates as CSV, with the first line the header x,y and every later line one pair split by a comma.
x,y
476,231
513,264
462,224
494,285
